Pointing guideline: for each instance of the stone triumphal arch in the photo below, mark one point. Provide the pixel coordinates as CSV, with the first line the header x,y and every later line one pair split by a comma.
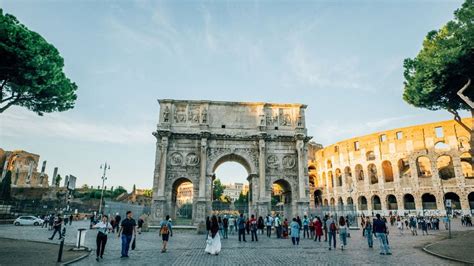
x,y
195,137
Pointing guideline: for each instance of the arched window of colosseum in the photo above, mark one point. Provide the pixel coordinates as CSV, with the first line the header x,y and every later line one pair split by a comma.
x,y
466,165
470,198
329,164
409,202
387,171
348,174
339,201
333,202
464,143
350,201
445,167
325,202
403,168
338,177
359,171
441,146
331,179
423,165
376,204
429,201
318,197
362,201
455,202
370,156
312,167
392,202
372,170
312,180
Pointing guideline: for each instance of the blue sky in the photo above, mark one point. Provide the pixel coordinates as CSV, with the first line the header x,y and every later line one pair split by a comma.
x,y
341,58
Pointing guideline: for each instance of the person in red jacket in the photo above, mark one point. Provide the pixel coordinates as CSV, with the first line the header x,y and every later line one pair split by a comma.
x,y
318,228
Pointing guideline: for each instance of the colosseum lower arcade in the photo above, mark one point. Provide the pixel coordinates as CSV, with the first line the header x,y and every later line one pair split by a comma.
x,y
406,170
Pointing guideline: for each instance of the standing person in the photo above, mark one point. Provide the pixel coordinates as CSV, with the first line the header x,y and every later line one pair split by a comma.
x,y
278,226
213,244
57,227
268,223
247,226
140,225
325,228
368,232
285,228
332,230
241,227
343,232
71,217
381,231
51,221
208,225
103,227
128,229
253,227
166,230
318,228
232,226
225,223
260,224
424,226
362,224
117,221
295,232
400,225
221,226
45,221
413,226
305,226
311,228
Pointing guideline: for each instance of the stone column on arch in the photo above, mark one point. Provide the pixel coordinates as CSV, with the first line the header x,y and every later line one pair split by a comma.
x,y
263,200
202,206
159,201
303,201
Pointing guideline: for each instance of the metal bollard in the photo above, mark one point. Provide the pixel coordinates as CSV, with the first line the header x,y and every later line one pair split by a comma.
x,y
61,245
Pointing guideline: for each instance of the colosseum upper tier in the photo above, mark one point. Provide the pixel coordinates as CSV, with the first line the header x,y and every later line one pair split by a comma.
x,y
412,169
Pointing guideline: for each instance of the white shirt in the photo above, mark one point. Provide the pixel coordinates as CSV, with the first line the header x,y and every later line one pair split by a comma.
x,y
103,227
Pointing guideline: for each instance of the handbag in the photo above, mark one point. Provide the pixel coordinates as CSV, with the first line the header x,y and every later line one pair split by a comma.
x,y
134,244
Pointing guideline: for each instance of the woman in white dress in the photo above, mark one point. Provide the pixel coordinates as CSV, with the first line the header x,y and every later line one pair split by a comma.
x,y
213,245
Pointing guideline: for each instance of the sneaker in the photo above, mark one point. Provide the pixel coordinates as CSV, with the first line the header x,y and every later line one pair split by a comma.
x,y
97,259
381,253
329,248
389,253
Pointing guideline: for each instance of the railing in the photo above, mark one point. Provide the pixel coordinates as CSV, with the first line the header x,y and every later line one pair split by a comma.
x,y
377,206
429,205
363,207
392,206
409,206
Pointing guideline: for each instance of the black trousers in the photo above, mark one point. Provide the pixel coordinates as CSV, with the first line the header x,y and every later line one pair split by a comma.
x,y
269,230
242,233
101,240
56,229
254,233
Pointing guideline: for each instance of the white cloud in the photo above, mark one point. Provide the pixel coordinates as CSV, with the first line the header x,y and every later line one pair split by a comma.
x,y
21,122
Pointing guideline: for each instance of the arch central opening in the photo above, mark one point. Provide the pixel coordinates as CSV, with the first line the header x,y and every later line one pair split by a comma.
x,y
230,187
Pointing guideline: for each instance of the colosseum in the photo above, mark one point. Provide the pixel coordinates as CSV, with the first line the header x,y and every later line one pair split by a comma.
x,y
405,170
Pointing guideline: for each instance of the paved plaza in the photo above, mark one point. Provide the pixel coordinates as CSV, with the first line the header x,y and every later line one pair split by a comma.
x,y
187,248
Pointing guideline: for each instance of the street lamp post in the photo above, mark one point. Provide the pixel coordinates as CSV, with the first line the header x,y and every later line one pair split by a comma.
x,y
104,177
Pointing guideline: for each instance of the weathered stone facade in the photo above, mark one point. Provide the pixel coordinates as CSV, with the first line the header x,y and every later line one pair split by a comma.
x,y
23,167
410,169
195,137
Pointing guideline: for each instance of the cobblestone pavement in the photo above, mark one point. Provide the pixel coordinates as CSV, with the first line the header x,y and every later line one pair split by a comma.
x,y
187,248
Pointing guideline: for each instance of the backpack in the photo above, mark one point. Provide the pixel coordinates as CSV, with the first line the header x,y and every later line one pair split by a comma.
x,y
332,226
253,225
164,229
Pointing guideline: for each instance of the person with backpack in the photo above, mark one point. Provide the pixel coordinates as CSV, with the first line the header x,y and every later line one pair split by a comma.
x,y
332,230
295,232
253,227
166,230
305,223
225,224
57,227
381,231
241,227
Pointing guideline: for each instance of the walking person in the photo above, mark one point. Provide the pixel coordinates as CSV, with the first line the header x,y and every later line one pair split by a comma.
x,y
71,217
166,230
278,226
232,226
305,226
103,227
295,232
311,228
343,230
325,227
45,222
400,225
213,243
368,232
332,230
241,227
140,225
424,226
117,219
318,229
253,227
225,224
208,225
269,223
128,229
221,226
413,226
381,231
51,221
57,227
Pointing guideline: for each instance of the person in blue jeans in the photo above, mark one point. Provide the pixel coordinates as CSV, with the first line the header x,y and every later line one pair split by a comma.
x,y
380,229
295,232
368,232
332,230
128,229
305,226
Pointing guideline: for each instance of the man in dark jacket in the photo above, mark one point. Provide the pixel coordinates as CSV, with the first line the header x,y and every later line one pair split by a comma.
x,y
381,231
241,227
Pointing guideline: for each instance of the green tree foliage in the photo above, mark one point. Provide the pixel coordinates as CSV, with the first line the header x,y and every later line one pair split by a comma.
x,y
31,71
5,186
444,65
118,191
217,189
243,199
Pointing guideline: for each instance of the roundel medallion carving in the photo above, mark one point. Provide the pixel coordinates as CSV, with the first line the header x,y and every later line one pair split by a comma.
x,y
176,159
289,161
192,159
272,161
